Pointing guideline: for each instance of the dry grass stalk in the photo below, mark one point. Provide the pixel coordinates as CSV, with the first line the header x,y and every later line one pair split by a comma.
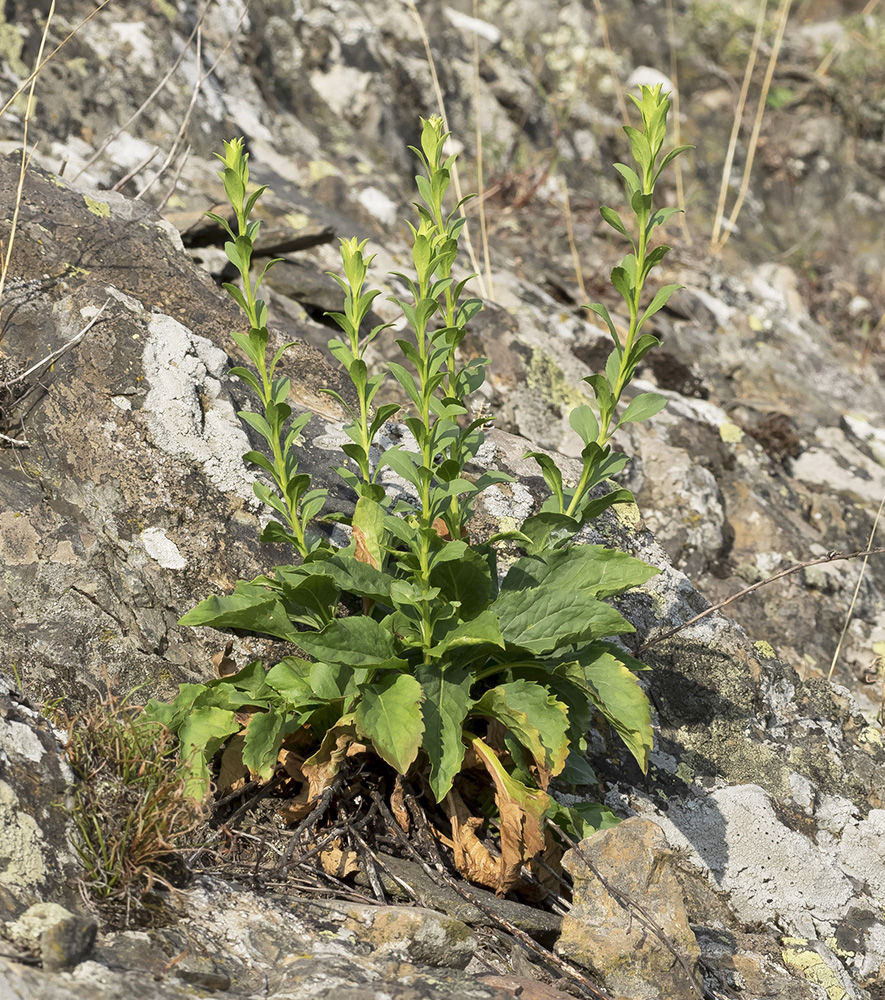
x,y
4,266
715,243
456,179
863,569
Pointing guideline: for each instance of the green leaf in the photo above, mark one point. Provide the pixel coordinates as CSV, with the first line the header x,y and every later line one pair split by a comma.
x,y
543,619
358,641
584,423
446,704
641,407
389,714
463,575
548,530
658,302
534,716
619,696
263,737
595,569
255,609
480,630
583,819
552,475
291,678
614,220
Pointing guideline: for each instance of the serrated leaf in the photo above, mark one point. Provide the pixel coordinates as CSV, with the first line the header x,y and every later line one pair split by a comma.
x,y
446,704
600,571
535,717
256,610
620,698
389,714
262,739
542,619
356,641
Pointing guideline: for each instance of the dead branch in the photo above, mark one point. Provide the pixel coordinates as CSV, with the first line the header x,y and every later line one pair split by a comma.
x,y
829,557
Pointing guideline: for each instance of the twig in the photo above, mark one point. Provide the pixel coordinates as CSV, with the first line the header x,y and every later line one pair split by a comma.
x,y
147,102
863,570
632,906
14,442
29,107
439,874
24,86
198,86
829,557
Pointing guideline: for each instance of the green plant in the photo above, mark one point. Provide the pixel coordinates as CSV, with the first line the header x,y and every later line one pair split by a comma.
x,y
446,668
131,811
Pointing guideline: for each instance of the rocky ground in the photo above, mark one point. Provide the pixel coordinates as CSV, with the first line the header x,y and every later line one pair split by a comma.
x,y
131,501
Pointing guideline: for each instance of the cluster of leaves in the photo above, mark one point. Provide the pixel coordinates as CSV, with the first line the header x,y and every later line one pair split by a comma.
x,y
449,668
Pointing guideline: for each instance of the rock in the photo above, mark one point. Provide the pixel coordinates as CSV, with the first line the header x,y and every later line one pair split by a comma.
x,y
60,938
608,937
410,933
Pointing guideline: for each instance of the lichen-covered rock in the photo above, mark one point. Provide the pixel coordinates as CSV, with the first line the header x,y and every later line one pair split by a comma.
x,y
38,864
603,932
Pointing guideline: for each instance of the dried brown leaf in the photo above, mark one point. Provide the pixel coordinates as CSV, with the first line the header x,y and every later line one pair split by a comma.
x,y
232,773
225,665
338,862
472,859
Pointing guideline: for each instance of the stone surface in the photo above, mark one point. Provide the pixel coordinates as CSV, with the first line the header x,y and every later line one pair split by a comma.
x,y
605,935
130,506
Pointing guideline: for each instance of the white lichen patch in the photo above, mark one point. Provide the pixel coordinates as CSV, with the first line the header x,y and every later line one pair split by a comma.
x,y
161,548
21,844
186,412
20,740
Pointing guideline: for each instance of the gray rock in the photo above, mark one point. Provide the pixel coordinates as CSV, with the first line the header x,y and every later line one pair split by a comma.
x,y
608,936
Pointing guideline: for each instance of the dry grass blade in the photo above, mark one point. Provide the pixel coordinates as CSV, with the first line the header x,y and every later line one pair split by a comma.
x,y
570,229
783,14
456,179
736,127
480,183
612,62
677,123
4,266
863,569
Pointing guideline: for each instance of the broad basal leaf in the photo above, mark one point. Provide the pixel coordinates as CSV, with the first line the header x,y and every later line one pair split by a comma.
x,y
446,704
255,609
595,569
263,737
535,717
389,714
622,701
542,619
356,641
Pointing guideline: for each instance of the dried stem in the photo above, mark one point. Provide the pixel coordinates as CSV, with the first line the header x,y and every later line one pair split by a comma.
x,y
829,557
